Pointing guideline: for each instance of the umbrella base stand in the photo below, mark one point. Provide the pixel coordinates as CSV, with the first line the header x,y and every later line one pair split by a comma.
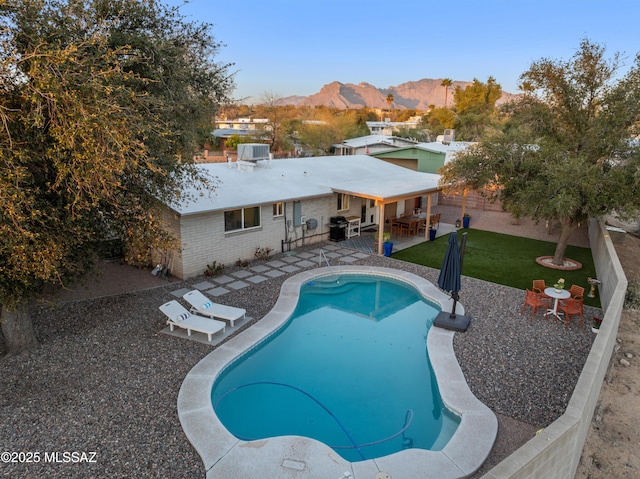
x,y
457,323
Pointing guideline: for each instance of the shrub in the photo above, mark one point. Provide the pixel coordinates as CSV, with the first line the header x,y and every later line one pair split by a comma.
x,y
632,299
263,253
214,269
242,263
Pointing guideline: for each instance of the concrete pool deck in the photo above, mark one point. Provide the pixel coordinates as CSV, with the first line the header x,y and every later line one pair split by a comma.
x,y
226,456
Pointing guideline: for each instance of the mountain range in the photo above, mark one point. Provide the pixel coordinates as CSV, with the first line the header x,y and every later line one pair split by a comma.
x,y
418,95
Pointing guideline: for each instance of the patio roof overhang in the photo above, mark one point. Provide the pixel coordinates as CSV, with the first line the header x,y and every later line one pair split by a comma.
x,y
387,199
387,190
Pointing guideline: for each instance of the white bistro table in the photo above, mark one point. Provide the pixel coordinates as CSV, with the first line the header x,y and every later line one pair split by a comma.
x,y
556,294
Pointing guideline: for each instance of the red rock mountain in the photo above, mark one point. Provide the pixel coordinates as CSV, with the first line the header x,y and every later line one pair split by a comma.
x,y
410,95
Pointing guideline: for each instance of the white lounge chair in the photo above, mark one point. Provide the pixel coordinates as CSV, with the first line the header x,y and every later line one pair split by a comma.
x,y
202,305
180,317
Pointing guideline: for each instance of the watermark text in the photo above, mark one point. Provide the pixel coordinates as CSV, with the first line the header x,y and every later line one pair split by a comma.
x,y
60,457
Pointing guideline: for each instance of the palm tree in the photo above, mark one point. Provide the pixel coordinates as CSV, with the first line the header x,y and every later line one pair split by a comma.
x,y
446,83
390,99
526,87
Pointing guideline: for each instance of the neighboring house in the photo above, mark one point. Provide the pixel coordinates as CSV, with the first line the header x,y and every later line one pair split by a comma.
x,y
243,127
220,135
243,124
424,157
429,158
284,204
366,145
388,127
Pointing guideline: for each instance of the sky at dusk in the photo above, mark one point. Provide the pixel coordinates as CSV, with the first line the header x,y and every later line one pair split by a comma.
x,y
294,47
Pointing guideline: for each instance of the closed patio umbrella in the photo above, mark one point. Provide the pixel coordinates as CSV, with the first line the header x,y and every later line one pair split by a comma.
x,y
449,281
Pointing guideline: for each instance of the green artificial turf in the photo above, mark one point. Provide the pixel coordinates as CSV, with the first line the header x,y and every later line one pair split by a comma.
x,y
505,259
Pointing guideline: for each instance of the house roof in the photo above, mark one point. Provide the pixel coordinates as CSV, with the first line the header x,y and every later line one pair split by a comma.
x,y
227,132
301,178
448,149
435,146
371,140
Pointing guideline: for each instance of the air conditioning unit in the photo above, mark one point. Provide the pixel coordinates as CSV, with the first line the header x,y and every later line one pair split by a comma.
x,y
253,151
449,137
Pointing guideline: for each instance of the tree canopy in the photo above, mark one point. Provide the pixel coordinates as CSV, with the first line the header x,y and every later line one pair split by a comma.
x,y
569,149
475,108
103,105
319,135
473,114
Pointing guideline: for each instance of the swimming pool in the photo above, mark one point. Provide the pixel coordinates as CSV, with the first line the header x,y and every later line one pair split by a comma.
x,y
350,369
225,455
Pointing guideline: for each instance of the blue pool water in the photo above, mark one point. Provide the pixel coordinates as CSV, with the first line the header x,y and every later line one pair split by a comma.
x,y
350,369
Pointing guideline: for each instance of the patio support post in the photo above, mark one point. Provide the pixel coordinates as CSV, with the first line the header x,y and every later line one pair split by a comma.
x,y
426,229
380,229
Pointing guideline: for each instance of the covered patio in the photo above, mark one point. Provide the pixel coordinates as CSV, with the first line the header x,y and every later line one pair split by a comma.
x,y
368,239
383,193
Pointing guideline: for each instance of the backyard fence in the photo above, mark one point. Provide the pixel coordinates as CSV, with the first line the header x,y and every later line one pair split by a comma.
x,y
555,452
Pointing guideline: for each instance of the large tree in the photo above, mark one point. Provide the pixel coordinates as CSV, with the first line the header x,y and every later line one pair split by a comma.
x,y
569,149
475,108
102,105
473,114
328,127
279,117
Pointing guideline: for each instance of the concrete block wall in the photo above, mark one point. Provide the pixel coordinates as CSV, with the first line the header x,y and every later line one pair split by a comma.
x,y
355,205
203,239
320,209
198,233
555,452
171,223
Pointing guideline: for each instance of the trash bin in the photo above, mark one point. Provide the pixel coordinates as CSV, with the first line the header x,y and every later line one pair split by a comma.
x,y
432,234
388,246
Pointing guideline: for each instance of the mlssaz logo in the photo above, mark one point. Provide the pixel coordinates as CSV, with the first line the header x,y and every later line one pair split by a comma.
x,y
70,457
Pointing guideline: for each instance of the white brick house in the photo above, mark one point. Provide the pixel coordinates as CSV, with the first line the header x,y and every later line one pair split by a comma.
x,y
276,204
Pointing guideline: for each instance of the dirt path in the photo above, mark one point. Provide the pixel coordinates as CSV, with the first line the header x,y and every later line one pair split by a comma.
x,y
612,450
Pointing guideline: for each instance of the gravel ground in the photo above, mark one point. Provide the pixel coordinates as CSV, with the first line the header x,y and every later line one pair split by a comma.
x,y
105,380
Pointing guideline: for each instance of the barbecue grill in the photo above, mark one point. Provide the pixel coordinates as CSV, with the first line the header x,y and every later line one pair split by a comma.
x,y
338,228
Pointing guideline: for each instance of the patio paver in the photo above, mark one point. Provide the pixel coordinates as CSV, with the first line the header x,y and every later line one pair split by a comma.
x,y
219,291
276,264
237,285
223,279
243,273
290,269
257,279
179,293
274,273
290,259
260,268
305,264
348,259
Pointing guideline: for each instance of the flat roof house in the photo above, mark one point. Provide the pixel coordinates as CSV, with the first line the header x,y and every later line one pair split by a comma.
x,y
283,204
425,157
365,145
